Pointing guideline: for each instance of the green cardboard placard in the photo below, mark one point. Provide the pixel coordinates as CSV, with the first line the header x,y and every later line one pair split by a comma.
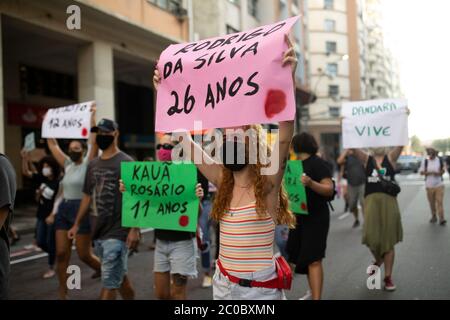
x,y
294,187
160,195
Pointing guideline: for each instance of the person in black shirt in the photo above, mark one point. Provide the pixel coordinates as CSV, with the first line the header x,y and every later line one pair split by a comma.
x,y
7,197
47,181
175,251
382,226
307,242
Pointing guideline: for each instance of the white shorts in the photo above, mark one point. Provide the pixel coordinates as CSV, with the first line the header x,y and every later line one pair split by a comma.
x,y
224,289
176,257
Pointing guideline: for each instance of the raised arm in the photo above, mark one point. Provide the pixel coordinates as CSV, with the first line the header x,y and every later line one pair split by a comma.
x,y
281,146
362,156
207,166
56,151
27,170
395,154
92,145
341,160
286,128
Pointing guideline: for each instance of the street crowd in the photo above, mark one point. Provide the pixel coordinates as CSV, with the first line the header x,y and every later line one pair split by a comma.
x,y
79,196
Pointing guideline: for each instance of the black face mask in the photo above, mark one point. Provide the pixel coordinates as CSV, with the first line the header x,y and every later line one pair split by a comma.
x,y
235,148
104,141
75,156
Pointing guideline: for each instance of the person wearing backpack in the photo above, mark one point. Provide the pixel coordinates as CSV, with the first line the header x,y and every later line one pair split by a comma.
x,y
433,169
307,242
356,178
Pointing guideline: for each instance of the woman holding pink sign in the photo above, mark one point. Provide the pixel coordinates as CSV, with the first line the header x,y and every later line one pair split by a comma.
x,y
248,205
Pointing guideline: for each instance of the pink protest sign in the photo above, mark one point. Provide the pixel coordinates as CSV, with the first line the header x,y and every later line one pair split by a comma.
x,y
226,81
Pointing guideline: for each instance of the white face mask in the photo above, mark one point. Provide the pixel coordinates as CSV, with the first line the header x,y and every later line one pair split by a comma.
x,y
46,172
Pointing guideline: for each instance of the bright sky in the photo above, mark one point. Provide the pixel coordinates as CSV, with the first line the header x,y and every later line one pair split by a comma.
x,y
417,32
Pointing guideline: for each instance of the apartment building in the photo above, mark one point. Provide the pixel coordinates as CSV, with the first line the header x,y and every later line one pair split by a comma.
x,y
348,62
109,58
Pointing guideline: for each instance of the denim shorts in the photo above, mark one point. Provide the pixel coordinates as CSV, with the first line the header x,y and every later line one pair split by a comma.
x,y
224,289
176,257
113,255
67,213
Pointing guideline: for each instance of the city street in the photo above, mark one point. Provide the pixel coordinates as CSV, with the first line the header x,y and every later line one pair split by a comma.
x,y
421,268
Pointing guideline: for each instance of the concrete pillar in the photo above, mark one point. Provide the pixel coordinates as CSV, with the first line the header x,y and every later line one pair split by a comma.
x,y
2,101
96,77
244,16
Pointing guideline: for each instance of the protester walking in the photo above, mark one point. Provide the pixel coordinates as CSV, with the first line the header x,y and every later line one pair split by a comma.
x,y
433,169
247,205
356,178
382,221
205,232
175,251
7,197
47,180
308,241
112,241
75,164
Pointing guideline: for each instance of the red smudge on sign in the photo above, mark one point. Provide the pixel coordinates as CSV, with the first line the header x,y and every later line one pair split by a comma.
x,y
184,221
275,102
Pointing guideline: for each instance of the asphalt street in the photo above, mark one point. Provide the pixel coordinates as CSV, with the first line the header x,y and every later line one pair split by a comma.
x,y
421,268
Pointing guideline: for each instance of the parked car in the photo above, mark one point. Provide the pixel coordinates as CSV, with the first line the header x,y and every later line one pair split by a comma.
x,y
408,163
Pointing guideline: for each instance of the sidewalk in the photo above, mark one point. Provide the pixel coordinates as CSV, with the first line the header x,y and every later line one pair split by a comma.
x,y
24,219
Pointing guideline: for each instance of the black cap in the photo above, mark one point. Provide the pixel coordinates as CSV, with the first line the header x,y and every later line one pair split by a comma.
x,y
105,125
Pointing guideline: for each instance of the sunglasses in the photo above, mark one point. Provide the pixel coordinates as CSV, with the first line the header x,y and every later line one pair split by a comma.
x,y
165,146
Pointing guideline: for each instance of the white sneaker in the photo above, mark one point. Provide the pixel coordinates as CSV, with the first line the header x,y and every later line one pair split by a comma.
x,y
307,296
344,215
207,282
49,274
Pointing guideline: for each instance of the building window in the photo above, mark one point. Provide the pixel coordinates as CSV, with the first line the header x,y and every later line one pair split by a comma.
x,y
47,83
372,82
331,47
283,9
170,5
230,29
332,69
334,112
328,4
252,7
236,2
330,25
333,90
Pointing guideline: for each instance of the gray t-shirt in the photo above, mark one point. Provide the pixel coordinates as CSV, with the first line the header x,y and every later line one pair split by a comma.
x,y
355,172
73,180
102,182
7,196
7,192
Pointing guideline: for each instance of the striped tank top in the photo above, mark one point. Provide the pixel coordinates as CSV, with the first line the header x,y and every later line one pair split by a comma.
x,y
246,240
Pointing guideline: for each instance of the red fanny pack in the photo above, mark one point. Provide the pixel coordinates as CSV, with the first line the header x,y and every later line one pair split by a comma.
x,y
284,272
283,280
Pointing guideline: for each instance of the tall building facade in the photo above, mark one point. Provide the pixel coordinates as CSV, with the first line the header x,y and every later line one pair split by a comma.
x,y
47,62
348,62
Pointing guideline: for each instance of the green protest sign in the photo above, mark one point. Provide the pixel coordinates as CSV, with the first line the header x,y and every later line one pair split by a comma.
x,y
295,188
160,195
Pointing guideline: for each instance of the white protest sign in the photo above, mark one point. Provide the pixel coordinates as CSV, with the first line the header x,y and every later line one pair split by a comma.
x,y
70,122
29,143
375,123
